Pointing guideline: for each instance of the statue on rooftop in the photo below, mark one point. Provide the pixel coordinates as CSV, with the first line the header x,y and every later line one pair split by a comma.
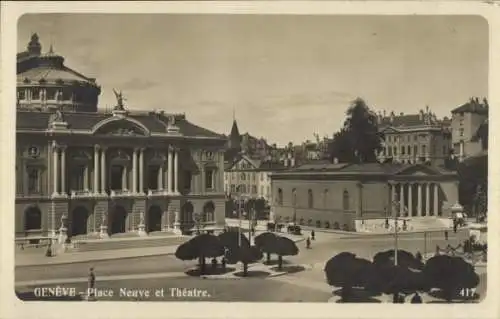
x,y
119,100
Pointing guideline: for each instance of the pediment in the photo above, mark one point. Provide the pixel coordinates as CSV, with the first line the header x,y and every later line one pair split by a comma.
x,y
244,163
121,127
418,170
389,130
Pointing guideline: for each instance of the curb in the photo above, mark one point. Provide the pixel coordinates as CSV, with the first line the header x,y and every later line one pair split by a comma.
x,y
63,262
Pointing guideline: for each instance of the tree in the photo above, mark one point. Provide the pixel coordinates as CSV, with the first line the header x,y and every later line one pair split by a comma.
x,y
340,147
450,274
285,247
362,131
266,242
245,254
473,172
482,135
347,271
201,247
405,259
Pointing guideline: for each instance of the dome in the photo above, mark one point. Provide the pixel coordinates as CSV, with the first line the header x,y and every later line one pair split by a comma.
x,y
44,82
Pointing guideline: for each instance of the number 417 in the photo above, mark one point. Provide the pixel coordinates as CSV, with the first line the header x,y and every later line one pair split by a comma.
x,y
468,292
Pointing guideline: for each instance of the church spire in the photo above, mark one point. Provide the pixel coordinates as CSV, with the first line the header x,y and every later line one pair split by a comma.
x,y
234,137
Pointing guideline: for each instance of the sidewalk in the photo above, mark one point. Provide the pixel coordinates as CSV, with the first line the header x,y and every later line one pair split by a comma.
x,y
35,259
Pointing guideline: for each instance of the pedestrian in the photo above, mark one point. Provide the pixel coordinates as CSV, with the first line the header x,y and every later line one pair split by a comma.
x,y
446,235
91,284
455,226
308,243
223,263
312,234
48,253
416,298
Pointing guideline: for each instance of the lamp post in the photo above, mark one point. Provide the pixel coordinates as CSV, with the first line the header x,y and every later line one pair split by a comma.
x,y
396,233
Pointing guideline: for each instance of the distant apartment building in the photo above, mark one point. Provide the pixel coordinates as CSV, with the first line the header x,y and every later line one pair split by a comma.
x,y
465,122
250,177
415,138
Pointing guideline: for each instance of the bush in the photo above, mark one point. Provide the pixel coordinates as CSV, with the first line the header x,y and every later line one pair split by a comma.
x,y
336,225
294,229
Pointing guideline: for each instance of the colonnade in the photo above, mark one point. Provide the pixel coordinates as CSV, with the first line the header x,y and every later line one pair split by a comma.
x,y
402,197
169,186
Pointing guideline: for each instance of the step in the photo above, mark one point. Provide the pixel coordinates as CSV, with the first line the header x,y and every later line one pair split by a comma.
x,y
113,244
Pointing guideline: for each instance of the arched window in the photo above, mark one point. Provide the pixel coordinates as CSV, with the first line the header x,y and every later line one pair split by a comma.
x,y
32,218
345,200
209,212
280,196
310,199
325,198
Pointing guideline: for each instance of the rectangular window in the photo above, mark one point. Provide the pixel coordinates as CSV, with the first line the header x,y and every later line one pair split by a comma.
x,y
261,177
395,151
409,150
78,178
389,151
233,188
254,189
35,93
209,179
21,94
187,180
262,190
33,180
461,132
402,150
51,93
153,177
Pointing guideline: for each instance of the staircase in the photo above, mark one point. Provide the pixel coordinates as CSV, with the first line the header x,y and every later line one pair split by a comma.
x,y
154,240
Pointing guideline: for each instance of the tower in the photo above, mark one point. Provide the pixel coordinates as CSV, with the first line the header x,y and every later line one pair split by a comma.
x,y
34,46
235,137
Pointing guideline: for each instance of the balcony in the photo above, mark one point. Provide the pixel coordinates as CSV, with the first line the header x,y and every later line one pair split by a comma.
x,y
157,192
85,193
117,193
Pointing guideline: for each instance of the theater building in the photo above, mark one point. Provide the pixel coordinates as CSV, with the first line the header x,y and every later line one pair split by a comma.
x,y
361,197
99,173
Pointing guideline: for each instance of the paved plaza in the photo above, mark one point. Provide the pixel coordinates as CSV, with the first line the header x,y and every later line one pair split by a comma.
x,y
302,279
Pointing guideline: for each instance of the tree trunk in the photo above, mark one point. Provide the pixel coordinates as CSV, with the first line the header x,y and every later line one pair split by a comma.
x,y
268,259
202,268
245,269
345,293
280,262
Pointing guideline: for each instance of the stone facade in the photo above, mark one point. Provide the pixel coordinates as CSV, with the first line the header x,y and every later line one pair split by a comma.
x,y
103,173
338,195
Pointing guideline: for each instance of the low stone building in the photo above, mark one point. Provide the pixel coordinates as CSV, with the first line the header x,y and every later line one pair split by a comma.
x,y
364,196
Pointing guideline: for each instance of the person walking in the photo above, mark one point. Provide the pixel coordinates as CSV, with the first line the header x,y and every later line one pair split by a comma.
x,y
312,234
308,243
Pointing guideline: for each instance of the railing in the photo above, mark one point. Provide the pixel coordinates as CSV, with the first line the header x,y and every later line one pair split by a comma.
x,y
120,193
157,192
33,241
81,193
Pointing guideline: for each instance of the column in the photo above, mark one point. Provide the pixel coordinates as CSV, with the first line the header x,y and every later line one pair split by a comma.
x,y
176,172
160,177
359,206
410,200
436,199
141,171
63,170
169,171
96,169
103,170
56,168
393,200
124,178
419,199
401,199
86,178
427,199
134,171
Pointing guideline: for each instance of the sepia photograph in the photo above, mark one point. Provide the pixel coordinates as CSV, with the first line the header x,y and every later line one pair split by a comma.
x,y
251,158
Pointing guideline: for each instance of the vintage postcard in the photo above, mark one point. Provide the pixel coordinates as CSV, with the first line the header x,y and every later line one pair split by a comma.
x,y
177,160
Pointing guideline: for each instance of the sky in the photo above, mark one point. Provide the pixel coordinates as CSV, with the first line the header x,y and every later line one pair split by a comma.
x,y
284,77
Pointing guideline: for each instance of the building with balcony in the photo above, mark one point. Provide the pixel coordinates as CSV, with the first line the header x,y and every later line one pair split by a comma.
x,y
103,173
465,122
364,197
415,138
250,178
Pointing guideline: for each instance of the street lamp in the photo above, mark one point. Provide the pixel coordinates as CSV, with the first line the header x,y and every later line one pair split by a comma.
x,y
395,206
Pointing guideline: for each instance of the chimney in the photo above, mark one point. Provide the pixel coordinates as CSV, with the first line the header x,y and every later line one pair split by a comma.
x,y
477,100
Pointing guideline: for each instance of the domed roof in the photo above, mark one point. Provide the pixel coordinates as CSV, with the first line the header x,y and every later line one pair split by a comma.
x,y
49,68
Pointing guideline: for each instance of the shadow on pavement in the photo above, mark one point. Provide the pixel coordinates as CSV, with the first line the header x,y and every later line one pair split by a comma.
x,y
195,272
30,296
275,262
359,294
289,269
253,274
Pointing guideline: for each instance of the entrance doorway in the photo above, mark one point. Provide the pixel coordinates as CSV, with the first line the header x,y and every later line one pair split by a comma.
x,y
154,219
79,218
187,221
118,220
